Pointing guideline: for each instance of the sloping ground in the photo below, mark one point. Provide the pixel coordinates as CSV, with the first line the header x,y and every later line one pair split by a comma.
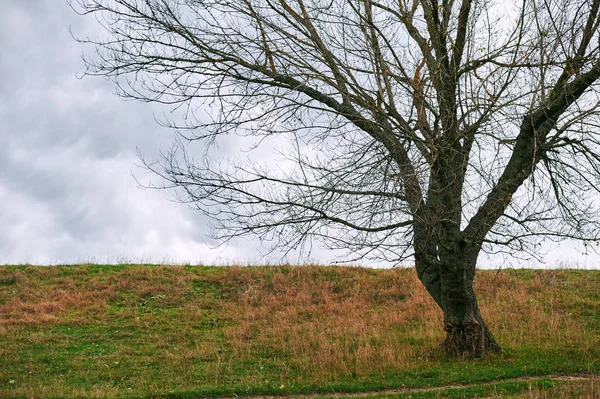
x,y
160,331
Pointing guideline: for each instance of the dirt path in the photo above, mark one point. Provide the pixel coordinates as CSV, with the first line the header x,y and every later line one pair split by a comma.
x,y
555,377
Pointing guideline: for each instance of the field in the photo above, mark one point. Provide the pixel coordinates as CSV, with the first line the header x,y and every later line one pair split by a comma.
x,y
116,331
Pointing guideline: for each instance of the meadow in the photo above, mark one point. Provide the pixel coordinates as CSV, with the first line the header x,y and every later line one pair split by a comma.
x,y
144,331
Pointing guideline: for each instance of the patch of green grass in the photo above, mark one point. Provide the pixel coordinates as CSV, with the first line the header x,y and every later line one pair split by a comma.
x,y
501,389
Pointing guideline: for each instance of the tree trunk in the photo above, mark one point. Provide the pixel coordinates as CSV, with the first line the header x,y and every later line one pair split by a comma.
x,y
467,335
450,283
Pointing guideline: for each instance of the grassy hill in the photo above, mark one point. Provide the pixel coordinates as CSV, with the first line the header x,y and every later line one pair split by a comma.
x,y
185,332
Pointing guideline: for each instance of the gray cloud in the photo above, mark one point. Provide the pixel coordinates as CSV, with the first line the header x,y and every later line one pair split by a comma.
x,y
68,146
67,150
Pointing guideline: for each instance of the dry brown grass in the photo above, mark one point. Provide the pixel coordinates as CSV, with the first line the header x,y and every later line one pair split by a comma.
x,y
331,327
382,320
44,296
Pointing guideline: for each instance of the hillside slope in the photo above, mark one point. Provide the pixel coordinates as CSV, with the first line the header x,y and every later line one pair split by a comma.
x,y
174,331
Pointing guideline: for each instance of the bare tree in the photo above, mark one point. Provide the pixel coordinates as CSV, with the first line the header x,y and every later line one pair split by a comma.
x,y
422,129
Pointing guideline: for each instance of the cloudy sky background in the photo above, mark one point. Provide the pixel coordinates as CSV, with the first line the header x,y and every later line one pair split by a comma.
x,y
68,152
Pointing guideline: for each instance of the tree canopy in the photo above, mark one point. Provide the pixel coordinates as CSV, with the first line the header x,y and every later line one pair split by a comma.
x,y
423,129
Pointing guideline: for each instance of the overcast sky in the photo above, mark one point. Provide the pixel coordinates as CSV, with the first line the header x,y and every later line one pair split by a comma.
x,y
68,151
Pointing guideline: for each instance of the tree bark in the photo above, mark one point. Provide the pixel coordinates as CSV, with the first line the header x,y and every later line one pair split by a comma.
x,y
467,335
450,282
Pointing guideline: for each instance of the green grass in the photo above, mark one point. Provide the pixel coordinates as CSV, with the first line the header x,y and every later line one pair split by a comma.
x,y
184,332
502,389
